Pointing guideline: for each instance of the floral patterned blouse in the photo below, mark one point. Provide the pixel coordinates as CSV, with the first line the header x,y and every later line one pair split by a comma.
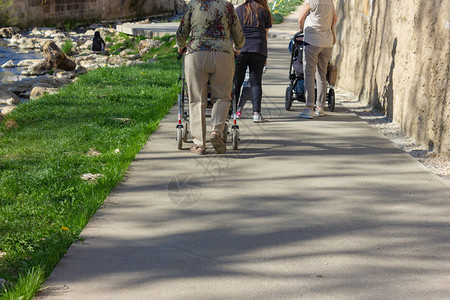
x,y
213,25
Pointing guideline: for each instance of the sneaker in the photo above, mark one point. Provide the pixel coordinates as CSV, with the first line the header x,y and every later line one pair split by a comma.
x,y
238,115
258,118
307,113
319,111
217,142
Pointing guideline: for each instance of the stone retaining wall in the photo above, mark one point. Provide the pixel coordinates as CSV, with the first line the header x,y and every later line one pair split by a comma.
x,y
395,56
35,13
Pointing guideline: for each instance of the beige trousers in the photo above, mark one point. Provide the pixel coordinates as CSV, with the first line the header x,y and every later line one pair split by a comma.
x,y
215,70
315,63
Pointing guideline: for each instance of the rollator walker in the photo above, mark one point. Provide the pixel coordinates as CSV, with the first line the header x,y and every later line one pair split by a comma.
x,y
182,128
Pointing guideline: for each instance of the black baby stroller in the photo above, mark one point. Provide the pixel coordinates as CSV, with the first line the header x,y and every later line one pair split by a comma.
x,y
183,115
296,88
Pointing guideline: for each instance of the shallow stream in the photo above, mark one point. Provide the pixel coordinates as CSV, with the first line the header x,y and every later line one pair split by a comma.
x,y
8,53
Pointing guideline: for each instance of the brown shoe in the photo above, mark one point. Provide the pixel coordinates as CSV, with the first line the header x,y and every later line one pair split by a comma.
x,y
198,150
217,142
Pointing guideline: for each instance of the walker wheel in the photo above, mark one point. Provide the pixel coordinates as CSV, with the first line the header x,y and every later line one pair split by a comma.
x,y
180,138
235,138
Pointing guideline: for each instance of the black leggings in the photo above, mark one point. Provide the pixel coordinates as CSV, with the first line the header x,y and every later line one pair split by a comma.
x,y
255,62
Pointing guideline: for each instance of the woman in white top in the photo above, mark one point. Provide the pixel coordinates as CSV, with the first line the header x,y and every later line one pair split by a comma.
x,y
317,20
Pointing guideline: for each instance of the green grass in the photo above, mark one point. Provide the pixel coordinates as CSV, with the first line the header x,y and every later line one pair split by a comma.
x,y
44,146
67,47
280,8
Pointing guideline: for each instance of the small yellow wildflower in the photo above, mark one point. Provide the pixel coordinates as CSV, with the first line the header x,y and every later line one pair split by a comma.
x,y
143,73
64,228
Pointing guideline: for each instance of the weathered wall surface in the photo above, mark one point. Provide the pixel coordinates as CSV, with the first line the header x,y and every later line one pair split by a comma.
x,y
38,12
395,55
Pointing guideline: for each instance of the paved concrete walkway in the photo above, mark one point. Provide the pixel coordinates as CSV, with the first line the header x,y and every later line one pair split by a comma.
x,y
324,208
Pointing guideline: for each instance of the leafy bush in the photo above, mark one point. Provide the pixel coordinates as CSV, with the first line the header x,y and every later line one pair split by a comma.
x,y
280,8
277,18
6,18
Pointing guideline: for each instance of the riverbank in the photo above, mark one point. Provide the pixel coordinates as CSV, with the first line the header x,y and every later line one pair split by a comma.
x,y
61,154
29,79
16,56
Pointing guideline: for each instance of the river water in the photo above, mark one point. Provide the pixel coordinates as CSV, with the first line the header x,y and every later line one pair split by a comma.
x,y
6,54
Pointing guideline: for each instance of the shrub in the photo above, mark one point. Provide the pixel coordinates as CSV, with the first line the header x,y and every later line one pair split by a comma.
x,y
277,18
67,47
280,8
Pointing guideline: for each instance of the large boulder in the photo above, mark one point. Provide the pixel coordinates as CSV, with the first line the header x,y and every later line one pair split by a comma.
x,y
84,44
56,58
80,70
15,39
38,68
89,33
59,36
50,32
129,54
116,60
9,64
8,98
145,46
39,91
8,32
5,110
25,43
27,83
28,62
65,74
36,31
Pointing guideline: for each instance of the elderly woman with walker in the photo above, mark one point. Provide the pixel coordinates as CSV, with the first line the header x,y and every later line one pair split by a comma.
x,y
216,34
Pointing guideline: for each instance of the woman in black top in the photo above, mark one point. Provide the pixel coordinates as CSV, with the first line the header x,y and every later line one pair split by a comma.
x,y
256,20
98,44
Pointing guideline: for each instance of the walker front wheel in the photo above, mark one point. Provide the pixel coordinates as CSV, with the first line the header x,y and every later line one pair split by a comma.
x,y
235,138
180,138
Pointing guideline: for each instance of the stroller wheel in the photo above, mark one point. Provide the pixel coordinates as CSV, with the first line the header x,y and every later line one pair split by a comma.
x,y
288,99
180,138
331,99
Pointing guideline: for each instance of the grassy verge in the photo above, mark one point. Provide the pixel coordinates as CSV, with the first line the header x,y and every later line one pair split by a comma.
x,y
96,125
281,8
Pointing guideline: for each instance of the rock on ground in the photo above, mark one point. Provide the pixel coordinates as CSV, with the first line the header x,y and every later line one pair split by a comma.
x,y
9,64
38,92
8,98
8,32
27,83
5,110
